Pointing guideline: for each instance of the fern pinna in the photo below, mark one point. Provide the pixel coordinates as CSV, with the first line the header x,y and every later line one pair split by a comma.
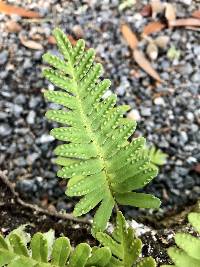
x,y
42,250
188,253
101,164
125,246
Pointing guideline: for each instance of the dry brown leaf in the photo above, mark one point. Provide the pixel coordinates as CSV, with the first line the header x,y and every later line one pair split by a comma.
x,y
13,26
152,51
145,64
30,43
51,40
129,36
170,12
196,14
146,11
10,9
71,39
152,27
185,22
162,41
157,7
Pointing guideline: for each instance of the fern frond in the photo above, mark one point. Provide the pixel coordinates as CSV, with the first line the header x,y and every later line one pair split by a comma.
x,y
188,253
46,251
157,157
99,162
124,245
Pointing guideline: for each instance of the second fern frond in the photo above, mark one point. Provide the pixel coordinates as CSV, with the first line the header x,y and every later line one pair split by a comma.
x,y
103,167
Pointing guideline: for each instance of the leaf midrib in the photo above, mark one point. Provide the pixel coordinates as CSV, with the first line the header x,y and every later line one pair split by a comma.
x,y
88,126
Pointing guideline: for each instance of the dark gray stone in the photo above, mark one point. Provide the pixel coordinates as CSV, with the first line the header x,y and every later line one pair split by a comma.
x,y
3,57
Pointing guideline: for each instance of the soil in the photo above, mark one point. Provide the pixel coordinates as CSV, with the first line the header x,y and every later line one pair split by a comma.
x,y
12,215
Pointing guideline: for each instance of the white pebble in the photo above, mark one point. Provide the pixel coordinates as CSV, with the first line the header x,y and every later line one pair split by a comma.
x,y
31,117
159,101
45,138
134,115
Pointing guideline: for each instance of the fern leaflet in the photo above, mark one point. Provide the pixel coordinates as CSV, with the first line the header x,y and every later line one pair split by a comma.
x,y
188,253
46,251
125,246
103,167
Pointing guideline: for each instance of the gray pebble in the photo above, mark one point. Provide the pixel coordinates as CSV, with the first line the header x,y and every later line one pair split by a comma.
x,y
31,117
27,186
5,129
194,128
196,77
120,90
17,110
197,50
183,137
3,115
32,158
186,69
20,162
3,57
146,112
34,101
20,99
190,116
27,63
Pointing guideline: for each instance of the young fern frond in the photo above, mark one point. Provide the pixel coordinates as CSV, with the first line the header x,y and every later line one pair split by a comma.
x,y
103,167
43,250
125,246
157,157
188,253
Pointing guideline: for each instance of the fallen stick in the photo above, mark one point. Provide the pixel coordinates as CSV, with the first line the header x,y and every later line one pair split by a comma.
x,y
37,209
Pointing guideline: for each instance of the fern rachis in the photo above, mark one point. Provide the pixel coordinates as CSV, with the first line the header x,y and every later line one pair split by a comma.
x,y
101,164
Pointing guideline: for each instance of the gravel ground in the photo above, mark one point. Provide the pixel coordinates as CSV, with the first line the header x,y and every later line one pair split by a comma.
x,y
168,115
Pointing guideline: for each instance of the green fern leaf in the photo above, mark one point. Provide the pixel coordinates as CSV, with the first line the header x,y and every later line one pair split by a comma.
x,y
99,162
194,219
189,252
190,244
124,245
100,257
146,262
181,258
61,251
80,255
44,251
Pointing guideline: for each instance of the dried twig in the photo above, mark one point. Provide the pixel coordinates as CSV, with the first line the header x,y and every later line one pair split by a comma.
x,y
185,22
65,216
